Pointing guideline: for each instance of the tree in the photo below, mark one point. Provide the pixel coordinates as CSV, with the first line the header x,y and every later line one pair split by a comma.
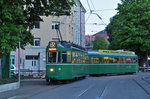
x,y
128,28
99,43
17,18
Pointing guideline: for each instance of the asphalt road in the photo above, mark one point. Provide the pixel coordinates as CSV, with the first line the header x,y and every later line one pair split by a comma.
x,y
134,86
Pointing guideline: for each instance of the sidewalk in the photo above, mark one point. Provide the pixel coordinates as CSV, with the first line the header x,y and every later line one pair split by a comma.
x,y
10,86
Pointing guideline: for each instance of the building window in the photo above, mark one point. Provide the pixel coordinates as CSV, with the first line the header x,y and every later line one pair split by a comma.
x,y
33,63
55,39
55,25
33,59
36,42
13,59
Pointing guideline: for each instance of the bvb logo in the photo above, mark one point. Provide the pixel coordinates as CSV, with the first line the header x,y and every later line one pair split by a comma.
x,y
52,44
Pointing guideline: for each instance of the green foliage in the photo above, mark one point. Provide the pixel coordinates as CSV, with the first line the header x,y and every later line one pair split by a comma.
x,y
100,43
17,17
128,27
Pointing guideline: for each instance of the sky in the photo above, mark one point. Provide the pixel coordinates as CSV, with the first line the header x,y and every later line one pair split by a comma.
x,y
104,8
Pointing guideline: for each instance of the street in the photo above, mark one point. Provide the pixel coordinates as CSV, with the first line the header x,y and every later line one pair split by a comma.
x,y
134,86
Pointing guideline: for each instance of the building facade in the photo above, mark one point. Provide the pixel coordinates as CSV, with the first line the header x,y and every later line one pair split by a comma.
x,y
14,58
71,29
79,24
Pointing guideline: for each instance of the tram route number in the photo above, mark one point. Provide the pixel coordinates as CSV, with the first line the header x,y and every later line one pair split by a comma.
x,y
53,44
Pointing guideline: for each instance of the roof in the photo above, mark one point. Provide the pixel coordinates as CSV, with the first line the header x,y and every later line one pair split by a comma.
x,y
109,54
104,32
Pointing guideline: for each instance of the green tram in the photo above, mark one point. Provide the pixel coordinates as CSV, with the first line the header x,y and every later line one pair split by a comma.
x,y
117,62
65,61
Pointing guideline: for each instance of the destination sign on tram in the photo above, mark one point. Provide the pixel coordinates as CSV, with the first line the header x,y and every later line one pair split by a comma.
x,y
116,52
52,46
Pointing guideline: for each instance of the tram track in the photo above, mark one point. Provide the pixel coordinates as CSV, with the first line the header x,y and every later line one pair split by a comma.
x,y
102,90
33,92
84,91
143,84
38,93
144,78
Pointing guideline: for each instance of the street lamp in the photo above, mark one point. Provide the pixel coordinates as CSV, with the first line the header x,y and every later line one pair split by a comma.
x,y
19,63
147,34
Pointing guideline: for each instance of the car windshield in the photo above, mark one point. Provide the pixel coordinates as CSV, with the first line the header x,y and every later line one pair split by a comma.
x,y
12,67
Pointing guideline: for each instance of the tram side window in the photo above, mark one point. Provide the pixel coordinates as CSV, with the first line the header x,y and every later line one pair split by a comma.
x,y
106,60
68,56
59,57
94,60
135,60
101,60
116,60
51,57
111,60
87,59
122,60
128,60
73,57
64,57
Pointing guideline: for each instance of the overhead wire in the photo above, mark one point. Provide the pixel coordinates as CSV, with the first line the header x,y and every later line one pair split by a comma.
x,y
88,5
92,5
87,18
91,11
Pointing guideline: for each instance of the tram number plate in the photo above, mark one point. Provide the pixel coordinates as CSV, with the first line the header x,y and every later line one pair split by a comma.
x,y
52,44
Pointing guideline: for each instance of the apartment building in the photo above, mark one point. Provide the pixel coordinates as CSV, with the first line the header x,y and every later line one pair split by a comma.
x,y
72,28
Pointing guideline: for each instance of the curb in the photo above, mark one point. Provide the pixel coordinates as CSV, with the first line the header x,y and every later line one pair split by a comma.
x,y
10,86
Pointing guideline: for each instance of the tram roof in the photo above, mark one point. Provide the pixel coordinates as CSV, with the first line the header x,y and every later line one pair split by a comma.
x,y
65,44
109,54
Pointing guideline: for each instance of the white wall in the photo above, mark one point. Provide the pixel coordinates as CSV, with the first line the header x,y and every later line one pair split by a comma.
x,y
29,50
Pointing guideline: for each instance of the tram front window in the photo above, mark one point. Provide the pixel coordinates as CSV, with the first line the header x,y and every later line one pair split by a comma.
x,y
52,57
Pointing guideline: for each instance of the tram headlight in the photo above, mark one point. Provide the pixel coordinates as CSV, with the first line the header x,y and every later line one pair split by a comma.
x,y
51,69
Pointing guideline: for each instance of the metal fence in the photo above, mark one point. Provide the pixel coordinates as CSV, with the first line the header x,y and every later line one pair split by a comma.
x,y
30,73
144,69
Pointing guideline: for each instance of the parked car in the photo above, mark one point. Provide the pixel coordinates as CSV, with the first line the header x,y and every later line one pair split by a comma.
x,y
13,70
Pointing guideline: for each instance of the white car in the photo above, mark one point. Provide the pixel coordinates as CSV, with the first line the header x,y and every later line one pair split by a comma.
x,y
13,70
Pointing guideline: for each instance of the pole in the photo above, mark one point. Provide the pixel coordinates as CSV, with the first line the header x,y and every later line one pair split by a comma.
x,y
19,63
147,58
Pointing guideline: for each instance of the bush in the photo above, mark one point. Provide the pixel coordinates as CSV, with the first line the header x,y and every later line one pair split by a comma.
x,y
7,80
